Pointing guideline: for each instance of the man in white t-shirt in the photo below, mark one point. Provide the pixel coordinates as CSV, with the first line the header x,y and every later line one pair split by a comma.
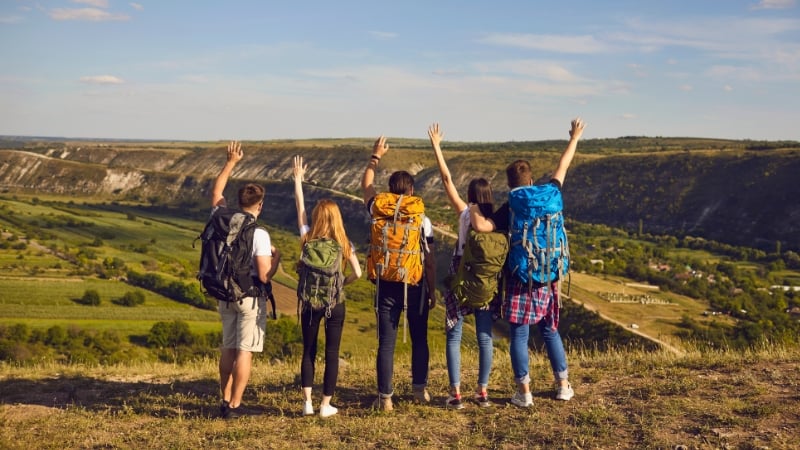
x,y
243,322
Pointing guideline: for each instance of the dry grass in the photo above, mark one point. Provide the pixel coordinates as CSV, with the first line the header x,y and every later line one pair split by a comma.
x,y
623,400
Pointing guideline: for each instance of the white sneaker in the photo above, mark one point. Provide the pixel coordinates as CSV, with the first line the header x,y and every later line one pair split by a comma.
x,y
522,400
565,393
308,409
327,411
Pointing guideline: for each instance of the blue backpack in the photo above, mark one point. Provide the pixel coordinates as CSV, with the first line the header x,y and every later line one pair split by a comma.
x,y
538,251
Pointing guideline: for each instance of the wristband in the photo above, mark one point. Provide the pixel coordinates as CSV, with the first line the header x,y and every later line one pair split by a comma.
x,y
375,157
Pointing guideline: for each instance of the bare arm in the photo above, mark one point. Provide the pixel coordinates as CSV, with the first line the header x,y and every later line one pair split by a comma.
x,y
299,201
355,267
367,181
275,261
234,155
436,136
264,267
478,221
575,133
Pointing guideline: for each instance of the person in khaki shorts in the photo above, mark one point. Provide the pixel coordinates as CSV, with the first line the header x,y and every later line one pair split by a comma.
x,y
243,322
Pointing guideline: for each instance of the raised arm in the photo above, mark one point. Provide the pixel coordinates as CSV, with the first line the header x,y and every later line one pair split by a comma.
x,y
436,136
367,181
575,133
299,172
234,155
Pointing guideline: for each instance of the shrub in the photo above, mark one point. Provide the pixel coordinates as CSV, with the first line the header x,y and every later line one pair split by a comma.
x,y
90,297
131,298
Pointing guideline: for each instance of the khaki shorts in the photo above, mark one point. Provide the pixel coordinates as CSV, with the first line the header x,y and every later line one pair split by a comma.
x,y
244,323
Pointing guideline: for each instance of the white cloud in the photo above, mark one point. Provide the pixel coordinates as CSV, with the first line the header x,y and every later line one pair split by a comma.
x,y
549,70
383,34
136,6
727,88
95,3
101,79
773,4
628,116
548,42
90,14
686,87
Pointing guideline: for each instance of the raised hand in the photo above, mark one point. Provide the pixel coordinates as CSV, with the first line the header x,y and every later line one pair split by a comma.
x,y
576,130
299,169
235,153
435,134
380,147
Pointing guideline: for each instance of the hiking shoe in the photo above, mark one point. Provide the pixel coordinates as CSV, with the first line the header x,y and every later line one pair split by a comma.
x,y
453,402
327,411
522,400
421,395
235,413
383,404
482,399
565,392
308,408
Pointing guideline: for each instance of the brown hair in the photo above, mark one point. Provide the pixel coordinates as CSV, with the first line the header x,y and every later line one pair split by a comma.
x,y
401,182
518,174
250,194
326,222
480,193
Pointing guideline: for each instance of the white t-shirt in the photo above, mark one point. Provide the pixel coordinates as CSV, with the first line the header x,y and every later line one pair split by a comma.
x,y
463,228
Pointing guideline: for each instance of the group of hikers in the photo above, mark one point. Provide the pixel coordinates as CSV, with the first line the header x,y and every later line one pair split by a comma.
x,y
400,262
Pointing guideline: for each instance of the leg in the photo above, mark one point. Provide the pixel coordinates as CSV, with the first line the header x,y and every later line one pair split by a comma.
x,y
226,361
388,311
309,324
555,352
241,375
453,354
250,327
520,364
418,330
483,328
333,337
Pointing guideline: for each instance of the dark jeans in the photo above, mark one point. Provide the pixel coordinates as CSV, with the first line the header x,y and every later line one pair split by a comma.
x,y
389,308
309,323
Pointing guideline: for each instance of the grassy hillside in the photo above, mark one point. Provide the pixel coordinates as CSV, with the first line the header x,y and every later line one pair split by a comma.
x,y
707,400
737,192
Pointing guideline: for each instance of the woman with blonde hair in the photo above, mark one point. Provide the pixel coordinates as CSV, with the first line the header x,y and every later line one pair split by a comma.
x,y
326,223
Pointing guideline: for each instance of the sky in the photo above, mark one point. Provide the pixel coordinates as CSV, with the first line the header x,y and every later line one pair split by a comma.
x,y
487,71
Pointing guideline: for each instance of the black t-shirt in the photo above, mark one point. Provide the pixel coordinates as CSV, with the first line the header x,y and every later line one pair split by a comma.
x,y
500,217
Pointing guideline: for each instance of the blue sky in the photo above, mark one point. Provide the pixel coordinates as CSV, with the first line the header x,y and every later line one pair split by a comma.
x,y
486,70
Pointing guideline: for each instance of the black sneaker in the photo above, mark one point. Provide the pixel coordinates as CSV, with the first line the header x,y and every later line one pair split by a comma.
x,y
223,408
233,413
482,399
453,402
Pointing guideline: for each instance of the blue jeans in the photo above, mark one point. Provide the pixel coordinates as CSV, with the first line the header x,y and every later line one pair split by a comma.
x,y
519,351
389,308
483,330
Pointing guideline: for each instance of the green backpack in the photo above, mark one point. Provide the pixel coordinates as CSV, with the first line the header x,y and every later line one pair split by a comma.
x,y
321,279
476,282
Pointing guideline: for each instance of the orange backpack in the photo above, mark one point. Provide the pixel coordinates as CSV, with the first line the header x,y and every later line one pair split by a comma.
x,y
396,239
